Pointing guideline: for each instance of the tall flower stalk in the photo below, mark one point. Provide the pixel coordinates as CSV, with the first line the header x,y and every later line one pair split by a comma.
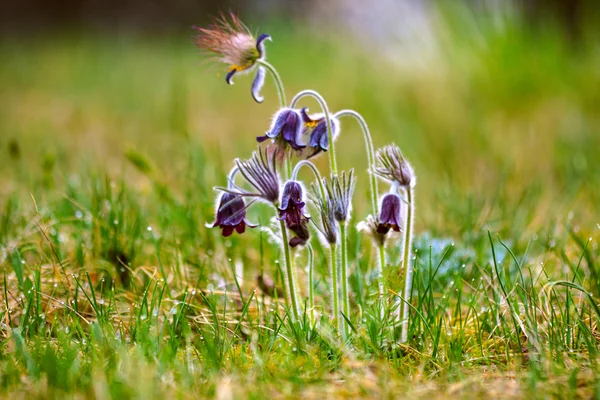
x,y
373,190
407,260
394,168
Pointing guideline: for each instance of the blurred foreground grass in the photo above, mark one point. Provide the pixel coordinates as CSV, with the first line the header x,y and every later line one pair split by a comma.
x,y
110,147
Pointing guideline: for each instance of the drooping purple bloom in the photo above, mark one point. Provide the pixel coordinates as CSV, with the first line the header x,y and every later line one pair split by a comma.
x,y
287,126
319,139
231,215
291,211
390,216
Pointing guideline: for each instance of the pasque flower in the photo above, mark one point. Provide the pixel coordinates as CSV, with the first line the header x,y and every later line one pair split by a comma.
x,y
291,211
340,192
394,167
232,43
390,216
231,215
286,129
325,206
260,171
319,138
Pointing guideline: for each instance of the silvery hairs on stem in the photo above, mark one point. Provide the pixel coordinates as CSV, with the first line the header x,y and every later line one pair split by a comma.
x,y
394,167
260,171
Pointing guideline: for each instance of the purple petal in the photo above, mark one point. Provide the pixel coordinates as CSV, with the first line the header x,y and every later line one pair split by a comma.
x,y
295,241
227,230
229,76
260,46
279,123
261,139
257,84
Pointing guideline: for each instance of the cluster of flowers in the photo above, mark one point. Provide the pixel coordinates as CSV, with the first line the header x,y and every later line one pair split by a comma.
x,y
296,134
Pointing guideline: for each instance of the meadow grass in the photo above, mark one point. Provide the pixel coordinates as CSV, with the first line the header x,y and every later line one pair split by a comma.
x,y
114,287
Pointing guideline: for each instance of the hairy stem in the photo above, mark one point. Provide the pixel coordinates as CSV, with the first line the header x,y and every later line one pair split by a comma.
x,y
277,79
372,179
370,154
231,177
344,277
406,262
311,283
290,274
316,173
323,104
334,286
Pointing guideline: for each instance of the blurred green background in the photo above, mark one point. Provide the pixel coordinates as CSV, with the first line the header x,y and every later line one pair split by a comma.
x,y
496,107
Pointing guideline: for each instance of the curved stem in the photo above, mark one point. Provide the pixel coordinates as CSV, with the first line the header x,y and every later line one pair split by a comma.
x,y
372,179
323,104
277,79
231,177
370,153
315,172
407,266
344,277
311,283
334,286
290,275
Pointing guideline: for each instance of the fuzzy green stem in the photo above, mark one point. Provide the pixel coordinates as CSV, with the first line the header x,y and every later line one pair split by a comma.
x,y
290,275
325,109
370,154
344,277
334,287
374,191
311,283
277,79
407,265
231,177
316,173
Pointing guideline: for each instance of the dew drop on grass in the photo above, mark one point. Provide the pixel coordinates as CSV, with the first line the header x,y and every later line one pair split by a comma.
x,y
149,228
193,292
294,349
276,261
116,222
101,301
78,214
155,312
23,261
67,329
143,317
56,285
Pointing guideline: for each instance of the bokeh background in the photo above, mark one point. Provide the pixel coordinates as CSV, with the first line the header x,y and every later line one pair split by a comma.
x,y
496,103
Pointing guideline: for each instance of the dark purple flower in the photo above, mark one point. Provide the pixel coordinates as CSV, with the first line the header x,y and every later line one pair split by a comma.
x,y
390,216
231,215
291,211
287,126
319,139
